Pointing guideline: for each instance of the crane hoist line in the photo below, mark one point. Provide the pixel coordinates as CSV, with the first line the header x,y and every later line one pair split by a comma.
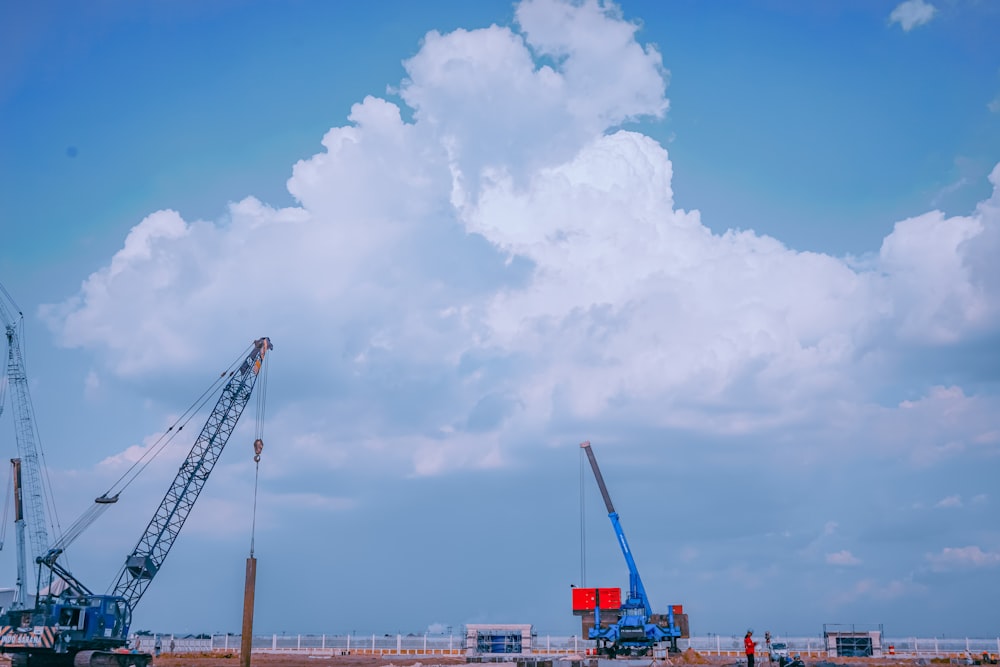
x,y
70,626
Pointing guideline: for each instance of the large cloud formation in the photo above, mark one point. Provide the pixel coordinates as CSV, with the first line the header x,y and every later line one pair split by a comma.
x,y
512,258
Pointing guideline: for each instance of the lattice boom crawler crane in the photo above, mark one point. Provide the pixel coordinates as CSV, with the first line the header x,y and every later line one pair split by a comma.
x,y
79,628
628,628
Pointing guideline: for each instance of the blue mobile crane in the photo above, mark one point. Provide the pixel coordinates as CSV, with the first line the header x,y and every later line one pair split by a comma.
x,y
69,625
637,630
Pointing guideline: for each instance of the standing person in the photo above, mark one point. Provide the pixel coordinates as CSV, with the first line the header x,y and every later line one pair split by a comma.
x,y
157,646
748,647
172,645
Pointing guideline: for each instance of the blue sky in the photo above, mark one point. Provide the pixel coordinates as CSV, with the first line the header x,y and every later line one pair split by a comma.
x,y
746,249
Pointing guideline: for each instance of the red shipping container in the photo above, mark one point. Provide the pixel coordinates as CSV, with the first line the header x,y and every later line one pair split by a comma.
x,y
611,598
678,608
584,599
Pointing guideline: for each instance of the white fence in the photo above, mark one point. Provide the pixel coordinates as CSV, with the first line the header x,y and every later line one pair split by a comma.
x,y
540,645
814,646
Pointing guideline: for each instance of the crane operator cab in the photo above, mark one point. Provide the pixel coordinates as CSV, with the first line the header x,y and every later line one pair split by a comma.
x,y
103,619
63,623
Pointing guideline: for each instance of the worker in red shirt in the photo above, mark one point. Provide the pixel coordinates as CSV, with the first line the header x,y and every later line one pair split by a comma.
x,y
749,647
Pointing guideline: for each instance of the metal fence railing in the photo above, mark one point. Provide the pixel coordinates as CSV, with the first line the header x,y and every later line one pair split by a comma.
x,y
428,644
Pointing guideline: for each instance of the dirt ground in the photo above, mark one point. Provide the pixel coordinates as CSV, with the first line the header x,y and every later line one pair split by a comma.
x,y
299,660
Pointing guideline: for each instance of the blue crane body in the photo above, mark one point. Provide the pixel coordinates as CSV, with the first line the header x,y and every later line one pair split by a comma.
x,y
637,631
76,627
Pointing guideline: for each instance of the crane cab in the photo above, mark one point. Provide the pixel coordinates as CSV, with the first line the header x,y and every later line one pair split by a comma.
x,y
65,623
91,619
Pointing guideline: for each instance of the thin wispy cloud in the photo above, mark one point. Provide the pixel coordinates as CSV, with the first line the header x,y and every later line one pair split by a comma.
x,y
871,589
955,558
842,558
949,502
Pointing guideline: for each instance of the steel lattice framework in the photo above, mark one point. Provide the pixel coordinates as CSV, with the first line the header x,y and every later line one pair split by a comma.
x,y
27,440
151,550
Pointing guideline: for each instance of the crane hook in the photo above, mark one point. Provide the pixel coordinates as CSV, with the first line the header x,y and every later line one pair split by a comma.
x,y
258,447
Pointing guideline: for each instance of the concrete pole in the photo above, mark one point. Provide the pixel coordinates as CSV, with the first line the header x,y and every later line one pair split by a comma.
x,y
246,643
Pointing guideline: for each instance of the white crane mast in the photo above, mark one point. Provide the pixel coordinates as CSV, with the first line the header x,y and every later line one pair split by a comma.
x,y
25,434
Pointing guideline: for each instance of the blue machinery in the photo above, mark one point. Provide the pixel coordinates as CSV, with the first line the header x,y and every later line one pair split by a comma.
x,y
75,627
637,630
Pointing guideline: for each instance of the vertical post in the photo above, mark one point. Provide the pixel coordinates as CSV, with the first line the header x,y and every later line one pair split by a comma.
x,y
21,587
246,639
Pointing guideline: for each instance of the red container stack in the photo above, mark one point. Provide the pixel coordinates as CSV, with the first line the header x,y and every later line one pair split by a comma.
x,y
586,599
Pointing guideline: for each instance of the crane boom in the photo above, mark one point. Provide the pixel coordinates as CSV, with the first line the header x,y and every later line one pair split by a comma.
x,y
154,545
25,434
637,592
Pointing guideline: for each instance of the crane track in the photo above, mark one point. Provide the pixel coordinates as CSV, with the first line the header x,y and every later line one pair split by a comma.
x,y
111,659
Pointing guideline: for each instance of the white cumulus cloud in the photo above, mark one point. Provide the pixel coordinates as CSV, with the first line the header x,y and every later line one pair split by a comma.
x,y
512,257
912,13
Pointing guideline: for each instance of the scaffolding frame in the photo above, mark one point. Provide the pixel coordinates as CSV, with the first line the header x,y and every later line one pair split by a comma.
x,y
852,640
